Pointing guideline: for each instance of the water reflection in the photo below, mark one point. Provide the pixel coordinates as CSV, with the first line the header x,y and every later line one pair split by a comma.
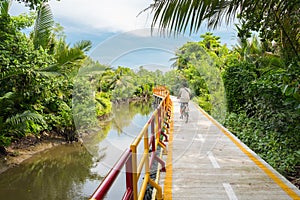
x,y
126,121
125,113
49,175
70,171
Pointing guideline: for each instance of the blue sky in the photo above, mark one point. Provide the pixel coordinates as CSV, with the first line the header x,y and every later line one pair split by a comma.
x,y
119,35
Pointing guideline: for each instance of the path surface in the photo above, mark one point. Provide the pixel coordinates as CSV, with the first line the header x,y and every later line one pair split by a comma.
x,y
208,162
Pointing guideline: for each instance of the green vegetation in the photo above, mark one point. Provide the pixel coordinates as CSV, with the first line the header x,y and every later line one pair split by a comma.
x,y
49,86
36,76
253,89
200,63
264,106
254,93
261,76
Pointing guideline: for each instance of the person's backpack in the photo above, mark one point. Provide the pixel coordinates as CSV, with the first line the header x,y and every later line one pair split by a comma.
x,y
190,95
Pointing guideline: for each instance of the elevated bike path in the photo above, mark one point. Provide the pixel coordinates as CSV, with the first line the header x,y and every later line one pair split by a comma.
x,y
205,161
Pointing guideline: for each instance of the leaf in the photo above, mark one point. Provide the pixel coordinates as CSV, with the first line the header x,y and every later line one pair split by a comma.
x,y
22,118
177,16
83,45
4,7
6,96
43,27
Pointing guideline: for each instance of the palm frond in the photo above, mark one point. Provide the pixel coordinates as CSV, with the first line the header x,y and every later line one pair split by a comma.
x,y
172,15
83,45
52,70
92,70
6,96
22,118
4,6
69,56
43,26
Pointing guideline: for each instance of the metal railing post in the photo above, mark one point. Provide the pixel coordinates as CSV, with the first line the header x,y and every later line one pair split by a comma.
x,y
105,185
134,172
153,135
129,181
129,158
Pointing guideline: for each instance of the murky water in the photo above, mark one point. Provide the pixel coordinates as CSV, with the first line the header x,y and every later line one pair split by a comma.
x,y
71,171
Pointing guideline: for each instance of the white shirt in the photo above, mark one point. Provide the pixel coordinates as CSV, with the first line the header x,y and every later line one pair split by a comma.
x,y
184,95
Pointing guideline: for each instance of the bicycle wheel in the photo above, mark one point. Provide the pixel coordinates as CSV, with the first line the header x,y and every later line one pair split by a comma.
x,y
186,117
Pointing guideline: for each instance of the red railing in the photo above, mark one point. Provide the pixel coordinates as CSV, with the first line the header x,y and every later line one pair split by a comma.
x,y
156,124
106,184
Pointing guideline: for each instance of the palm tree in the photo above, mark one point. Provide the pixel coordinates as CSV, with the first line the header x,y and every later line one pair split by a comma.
x,y
121,78
250,50
181,15
43,36
275,18
34,91
42,33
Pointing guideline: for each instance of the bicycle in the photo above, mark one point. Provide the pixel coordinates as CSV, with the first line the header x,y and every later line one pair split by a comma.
x,y
184,111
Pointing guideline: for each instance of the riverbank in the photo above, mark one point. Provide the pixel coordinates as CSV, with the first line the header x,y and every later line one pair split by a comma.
x,y
26,147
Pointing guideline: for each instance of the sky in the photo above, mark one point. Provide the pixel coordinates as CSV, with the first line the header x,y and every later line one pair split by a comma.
x,y
119,34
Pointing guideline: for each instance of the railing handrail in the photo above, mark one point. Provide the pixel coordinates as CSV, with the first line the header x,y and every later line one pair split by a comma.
x,y
129,156
105,185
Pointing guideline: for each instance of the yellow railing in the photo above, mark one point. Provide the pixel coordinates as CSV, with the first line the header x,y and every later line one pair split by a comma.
x,y
156,124
152,134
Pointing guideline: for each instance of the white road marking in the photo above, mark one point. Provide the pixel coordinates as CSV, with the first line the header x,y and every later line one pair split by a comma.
x,y
213,160
229,191
200,138
179,137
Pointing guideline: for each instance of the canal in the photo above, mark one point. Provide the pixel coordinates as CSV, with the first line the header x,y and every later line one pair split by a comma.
x,y
73,172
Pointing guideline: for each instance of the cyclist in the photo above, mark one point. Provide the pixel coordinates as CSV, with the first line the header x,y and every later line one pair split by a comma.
x,y
184,97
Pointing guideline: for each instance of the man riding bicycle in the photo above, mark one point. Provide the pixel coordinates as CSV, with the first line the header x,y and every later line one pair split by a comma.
x,y
184,97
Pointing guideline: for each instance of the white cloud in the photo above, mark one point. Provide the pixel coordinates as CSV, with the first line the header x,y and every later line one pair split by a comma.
x,y
111,16
94,17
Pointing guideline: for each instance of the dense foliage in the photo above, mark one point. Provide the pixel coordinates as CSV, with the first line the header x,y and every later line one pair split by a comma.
x,y
253,89
262,95
264,108
261,76
106,86
276,20
201,64
36,76
42,88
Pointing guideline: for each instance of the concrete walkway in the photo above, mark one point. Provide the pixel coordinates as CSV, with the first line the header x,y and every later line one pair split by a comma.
x,y
207,162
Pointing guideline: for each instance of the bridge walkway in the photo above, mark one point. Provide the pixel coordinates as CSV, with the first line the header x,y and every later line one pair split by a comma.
x,y
205,161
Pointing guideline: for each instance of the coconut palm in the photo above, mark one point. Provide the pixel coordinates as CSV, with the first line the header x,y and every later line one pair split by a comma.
x,y
184,15
43,36
275,19
121,78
